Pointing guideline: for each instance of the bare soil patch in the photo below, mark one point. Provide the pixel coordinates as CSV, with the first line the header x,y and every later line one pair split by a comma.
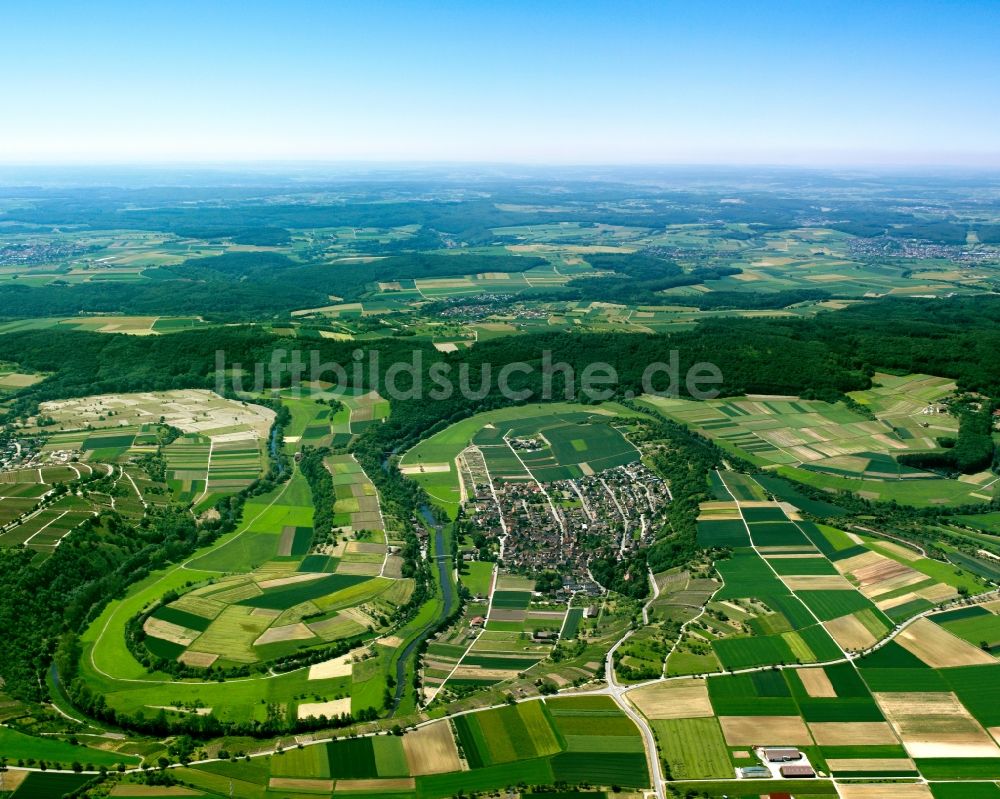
x,y
198,659
169,631
329,669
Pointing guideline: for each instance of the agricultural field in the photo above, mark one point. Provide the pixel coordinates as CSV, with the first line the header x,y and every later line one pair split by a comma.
x,y
280,590
42,785
548,450
836,446
903,708
477,576
498,640
241,614
432,462
326,416
890,714
219,452
12,380
792,591
125,325
268,591
536,742
542,277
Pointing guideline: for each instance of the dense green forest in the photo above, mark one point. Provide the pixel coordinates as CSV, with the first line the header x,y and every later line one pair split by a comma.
x,y
824,355
241,285
637,279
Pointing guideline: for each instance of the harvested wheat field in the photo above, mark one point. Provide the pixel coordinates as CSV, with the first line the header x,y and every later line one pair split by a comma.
x,y
168,631
817,582
816,683
935,724
13,779
431,750
328,669
300,784
285,543
198,659
392,784
939,592
874,765
467,672
862,561
894,602
288,632
910,790
677,699
899,550
850,633
765,731
335,707
852,733
361,569
938,648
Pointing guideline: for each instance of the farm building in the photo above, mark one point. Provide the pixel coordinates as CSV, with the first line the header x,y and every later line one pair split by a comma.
x,y
782,755
797,772
755,773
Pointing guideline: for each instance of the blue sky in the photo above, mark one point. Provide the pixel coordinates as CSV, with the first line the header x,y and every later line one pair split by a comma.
x,y
702,81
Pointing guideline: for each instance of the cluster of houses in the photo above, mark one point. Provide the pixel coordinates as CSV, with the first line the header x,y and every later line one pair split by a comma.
x,y
486,305
560,526
26,453
33,253
23,453
881,247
